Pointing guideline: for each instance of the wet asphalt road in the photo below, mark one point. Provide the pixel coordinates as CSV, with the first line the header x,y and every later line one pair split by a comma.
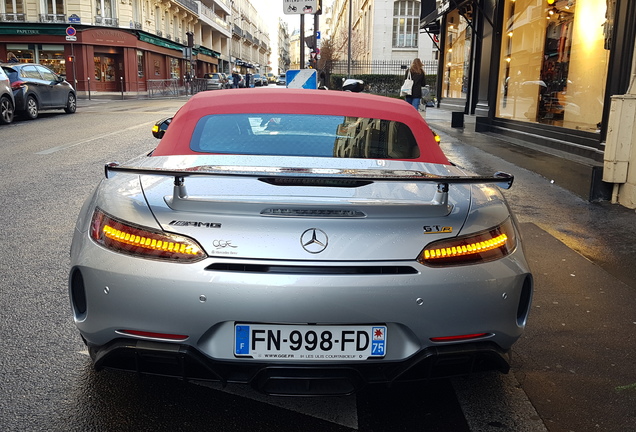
x,y
574,363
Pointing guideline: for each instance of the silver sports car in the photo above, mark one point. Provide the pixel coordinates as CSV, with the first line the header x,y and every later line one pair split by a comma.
x,y
302,241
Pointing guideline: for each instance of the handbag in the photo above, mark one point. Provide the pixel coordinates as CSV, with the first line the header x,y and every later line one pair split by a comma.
x,y
407,87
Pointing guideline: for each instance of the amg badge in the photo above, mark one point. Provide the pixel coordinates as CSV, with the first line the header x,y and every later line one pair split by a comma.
x,y
195,224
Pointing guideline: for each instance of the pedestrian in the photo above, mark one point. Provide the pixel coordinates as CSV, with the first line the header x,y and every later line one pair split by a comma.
x,y
248,80
417,75
236,78
11,58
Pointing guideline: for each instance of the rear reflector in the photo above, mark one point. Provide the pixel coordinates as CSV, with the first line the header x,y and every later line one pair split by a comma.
x,y
459,337
153,335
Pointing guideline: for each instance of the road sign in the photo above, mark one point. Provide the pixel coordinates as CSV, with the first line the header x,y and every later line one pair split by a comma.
x,y
302,78
298,7
70,31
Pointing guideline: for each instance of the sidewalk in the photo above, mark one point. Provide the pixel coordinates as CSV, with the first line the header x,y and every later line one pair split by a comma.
x,y
575,361
570,171
597,230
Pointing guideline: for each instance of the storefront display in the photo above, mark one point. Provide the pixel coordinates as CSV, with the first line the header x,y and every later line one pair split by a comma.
x,y
457,49
554,62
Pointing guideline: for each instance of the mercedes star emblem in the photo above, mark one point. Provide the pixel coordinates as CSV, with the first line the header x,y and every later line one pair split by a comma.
x,y
314,240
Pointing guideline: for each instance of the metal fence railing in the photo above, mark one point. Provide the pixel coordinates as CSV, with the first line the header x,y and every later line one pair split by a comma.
x,y
383,77
377,67
163,88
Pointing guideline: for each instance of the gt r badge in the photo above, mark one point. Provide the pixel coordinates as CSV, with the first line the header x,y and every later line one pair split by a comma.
x,y
314,240
437,229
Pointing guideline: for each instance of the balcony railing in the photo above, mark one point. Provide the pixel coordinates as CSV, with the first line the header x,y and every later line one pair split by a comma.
x,y
209,13
190,4
105,21
13,17
52,18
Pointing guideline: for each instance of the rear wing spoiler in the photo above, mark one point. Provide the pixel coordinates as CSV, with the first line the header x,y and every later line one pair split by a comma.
x,y
365,176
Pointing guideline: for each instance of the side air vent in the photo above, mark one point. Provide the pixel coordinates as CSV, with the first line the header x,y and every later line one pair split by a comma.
x,y
311,270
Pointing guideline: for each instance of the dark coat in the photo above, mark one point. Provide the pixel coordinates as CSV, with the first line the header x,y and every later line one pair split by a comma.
x,y
418,82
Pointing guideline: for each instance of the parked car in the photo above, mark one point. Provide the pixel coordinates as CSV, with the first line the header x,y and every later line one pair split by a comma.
x,y
215,81
281,80
303,242
271,78
259,80
36,88
7,101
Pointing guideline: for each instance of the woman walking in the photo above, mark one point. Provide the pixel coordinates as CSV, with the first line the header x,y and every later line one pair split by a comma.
x,y
417,75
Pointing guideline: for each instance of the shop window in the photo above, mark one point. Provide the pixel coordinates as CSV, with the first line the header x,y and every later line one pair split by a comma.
x,y
175,69
554,62
457,54
140,64
52,56
406,23
23,55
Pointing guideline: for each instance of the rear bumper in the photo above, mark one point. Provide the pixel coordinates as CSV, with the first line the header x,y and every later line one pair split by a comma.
x,y
185,362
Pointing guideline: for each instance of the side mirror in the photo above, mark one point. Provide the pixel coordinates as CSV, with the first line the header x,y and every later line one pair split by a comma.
x,y
160,128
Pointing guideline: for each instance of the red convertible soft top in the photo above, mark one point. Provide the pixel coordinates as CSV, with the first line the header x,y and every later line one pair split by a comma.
x,y
176,140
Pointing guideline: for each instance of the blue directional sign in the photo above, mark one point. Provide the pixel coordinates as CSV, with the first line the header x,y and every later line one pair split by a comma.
x,y
302,78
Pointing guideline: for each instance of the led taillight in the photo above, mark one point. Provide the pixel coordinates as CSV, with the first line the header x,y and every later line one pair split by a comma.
x,y
480,247
144,242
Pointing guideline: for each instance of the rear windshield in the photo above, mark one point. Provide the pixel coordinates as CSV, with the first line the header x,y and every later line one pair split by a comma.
x,y
304,135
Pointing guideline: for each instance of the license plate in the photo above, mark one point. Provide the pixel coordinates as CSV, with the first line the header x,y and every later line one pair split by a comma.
x,y
309,342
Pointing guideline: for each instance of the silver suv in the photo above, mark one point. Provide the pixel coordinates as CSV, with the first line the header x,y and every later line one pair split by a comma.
x,y
7,102
214,81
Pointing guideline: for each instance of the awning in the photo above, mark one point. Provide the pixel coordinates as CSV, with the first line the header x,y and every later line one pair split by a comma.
x,y
433,9
24,29
156,40
206,51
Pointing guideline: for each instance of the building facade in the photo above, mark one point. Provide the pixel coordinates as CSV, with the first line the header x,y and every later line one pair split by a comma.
x,y
537,71
109,46
381,30
284,46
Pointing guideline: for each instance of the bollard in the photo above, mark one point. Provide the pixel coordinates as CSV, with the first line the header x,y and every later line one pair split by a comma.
x,y
89,87
457,119
121,80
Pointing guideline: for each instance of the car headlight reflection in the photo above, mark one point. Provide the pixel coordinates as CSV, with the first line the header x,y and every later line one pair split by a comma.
x,y
480,247
143,242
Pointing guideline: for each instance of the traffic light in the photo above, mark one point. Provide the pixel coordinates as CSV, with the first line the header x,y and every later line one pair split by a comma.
x,y
70,58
